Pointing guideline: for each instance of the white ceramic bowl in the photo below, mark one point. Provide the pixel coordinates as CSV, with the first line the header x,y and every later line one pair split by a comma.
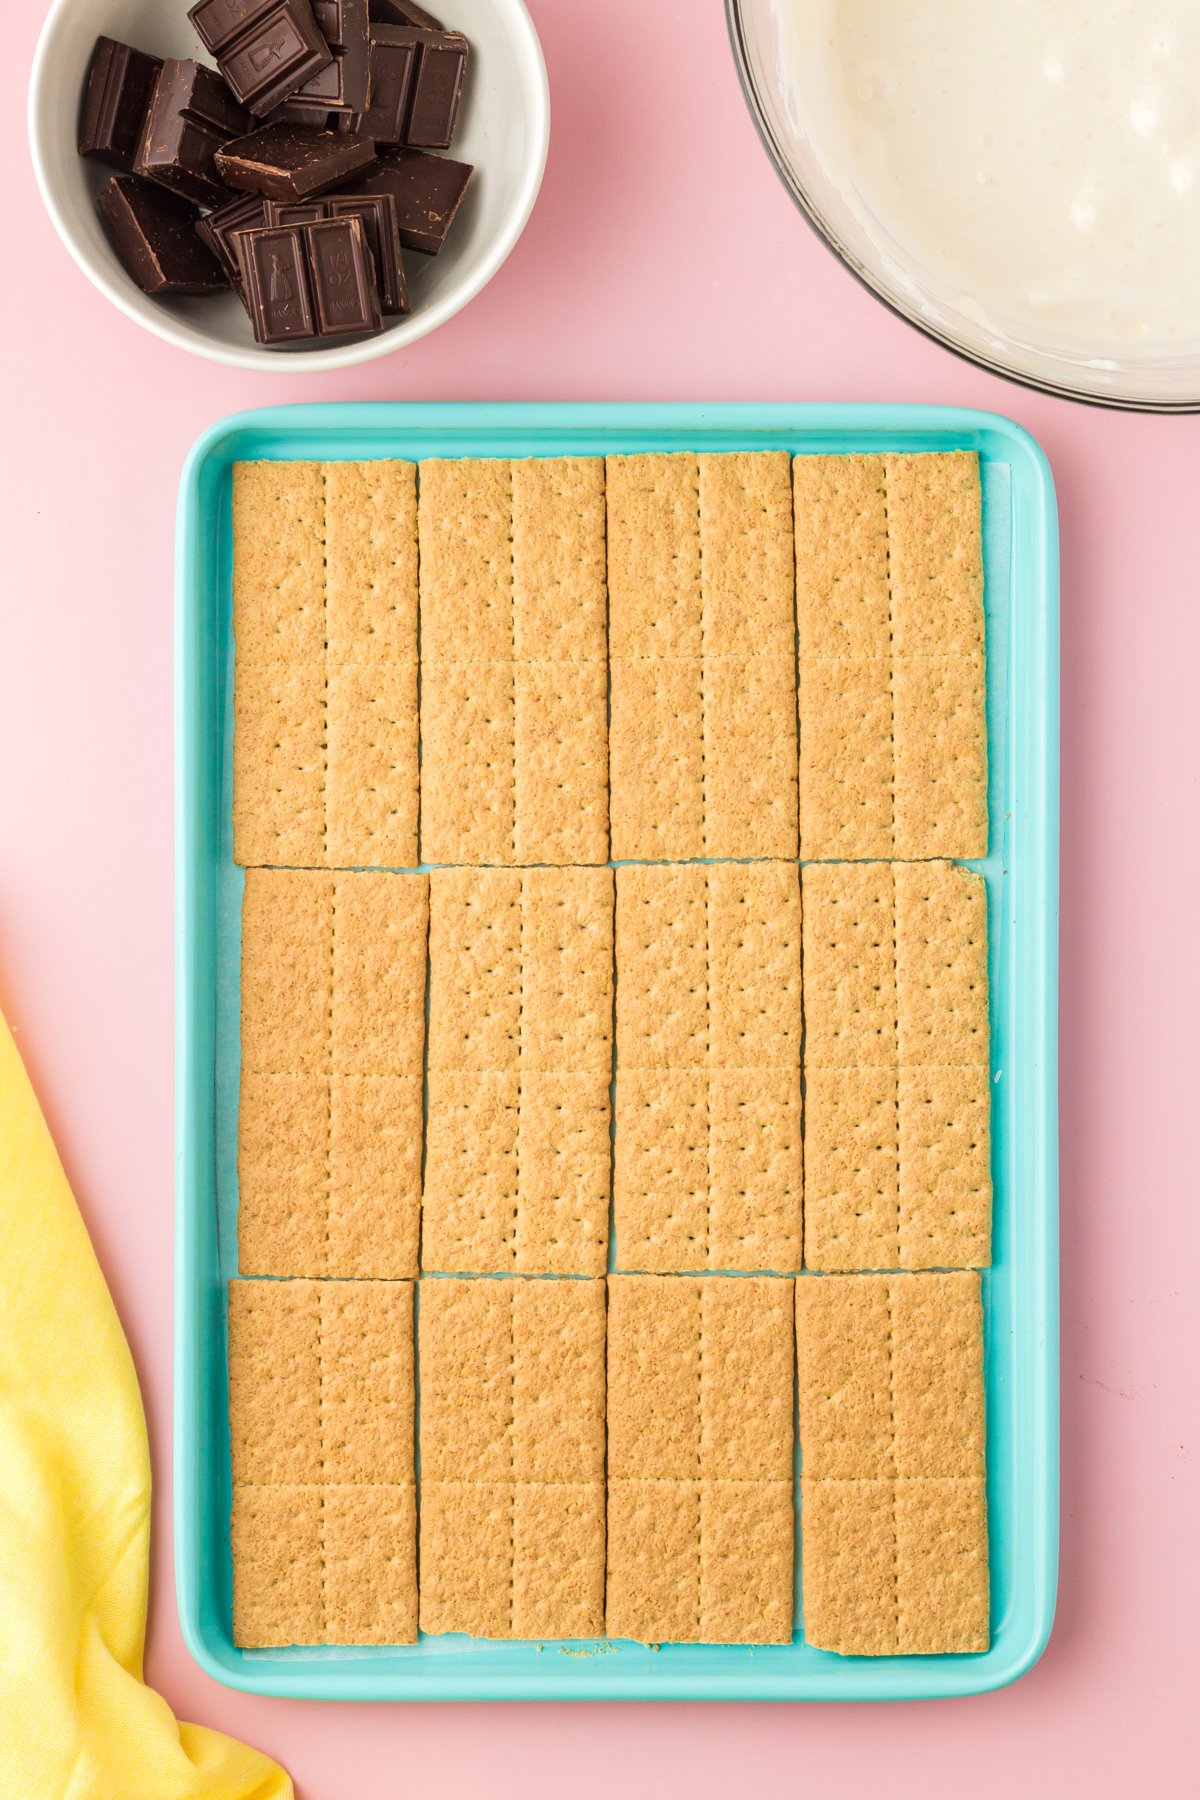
x,y
503,128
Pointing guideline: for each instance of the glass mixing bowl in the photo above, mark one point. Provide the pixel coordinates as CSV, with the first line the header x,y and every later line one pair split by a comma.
x,y
1145,378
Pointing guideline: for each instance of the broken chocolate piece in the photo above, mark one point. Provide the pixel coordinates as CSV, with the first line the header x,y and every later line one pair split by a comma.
x,y
154,234
291,162
343,277
190,115
116,94
436,89
378,215
219,229
428,191
265,49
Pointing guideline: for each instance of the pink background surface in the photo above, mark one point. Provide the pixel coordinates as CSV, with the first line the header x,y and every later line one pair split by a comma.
x,y
663,261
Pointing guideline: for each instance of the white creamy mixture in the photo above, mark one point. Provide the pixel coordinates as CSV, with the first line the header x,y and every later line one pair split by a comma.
x,y
1040,157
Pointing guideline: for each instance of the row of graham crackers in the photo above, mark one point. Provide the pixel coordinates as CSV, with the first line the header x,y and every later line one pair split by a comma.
x,y
610,1458
658,656
509,1091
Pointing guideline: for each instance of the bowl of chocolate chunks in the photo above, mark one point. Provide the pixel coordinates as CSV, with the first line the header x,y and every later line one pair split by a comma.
x,y
321,179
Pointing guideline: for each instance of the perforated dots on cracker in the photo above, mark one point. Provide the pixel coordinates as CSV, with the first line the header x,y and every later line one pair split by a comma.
x,y
323,1523
330,1111
512,1457
708,1160
325,763
897,1149
701,648
700,1459
513,648
520,1059
889,611
893,1502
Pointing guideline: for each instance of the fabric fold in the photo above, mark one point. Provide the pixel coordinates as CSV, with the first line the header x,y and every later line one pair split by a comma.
x,y
76,1718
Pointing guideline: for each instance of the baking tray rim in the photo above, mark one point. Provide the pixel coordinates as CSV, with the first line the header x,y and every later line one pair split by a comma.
x,y
731,1672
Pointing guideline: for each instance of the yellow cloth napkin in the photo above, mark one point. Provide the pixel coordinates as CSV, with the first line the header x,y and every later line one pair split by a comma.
x,y
76,1720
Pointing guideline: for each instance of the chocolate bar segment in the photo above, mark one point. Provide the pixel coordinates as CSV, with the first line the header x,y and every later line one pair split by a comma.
x,y
416,86
436,89
377,213
308,280
190,115
291,162
266,49
295,212
343,88
343,277
219,229
116,94
393,62
154,234
428,192
275,283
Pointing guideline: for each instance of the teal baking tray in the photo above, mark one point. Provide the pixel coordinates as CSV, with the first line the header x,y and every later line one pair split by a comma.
x,y
1021,871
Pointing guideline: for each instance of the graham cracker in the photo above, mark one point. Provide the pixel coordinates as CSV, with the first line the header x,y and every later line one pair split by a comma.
x,y
323,1523
700,1444
656,755
894,1514
942,1565
369,1531
520,1059
371,782
371,562
279,563
708,1158
278,763
512,1457
889,613
330,1113
897,1150
702,656
325,761
275,1537
513,653
560,761
372,778
468,760
655,1566
560,602
286,961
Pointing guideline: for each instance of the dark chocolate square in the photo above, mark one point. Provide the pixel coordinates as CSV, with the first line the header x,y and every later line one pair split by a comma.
x,y
343,277
393,60
266,49
292,162
436,89
428,192
190,115
116,93
154,234
276,285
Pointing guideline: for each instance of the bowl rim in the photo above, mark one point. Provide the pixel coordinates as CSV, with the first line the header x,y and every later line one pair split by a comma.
x,y
738,38
417,325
